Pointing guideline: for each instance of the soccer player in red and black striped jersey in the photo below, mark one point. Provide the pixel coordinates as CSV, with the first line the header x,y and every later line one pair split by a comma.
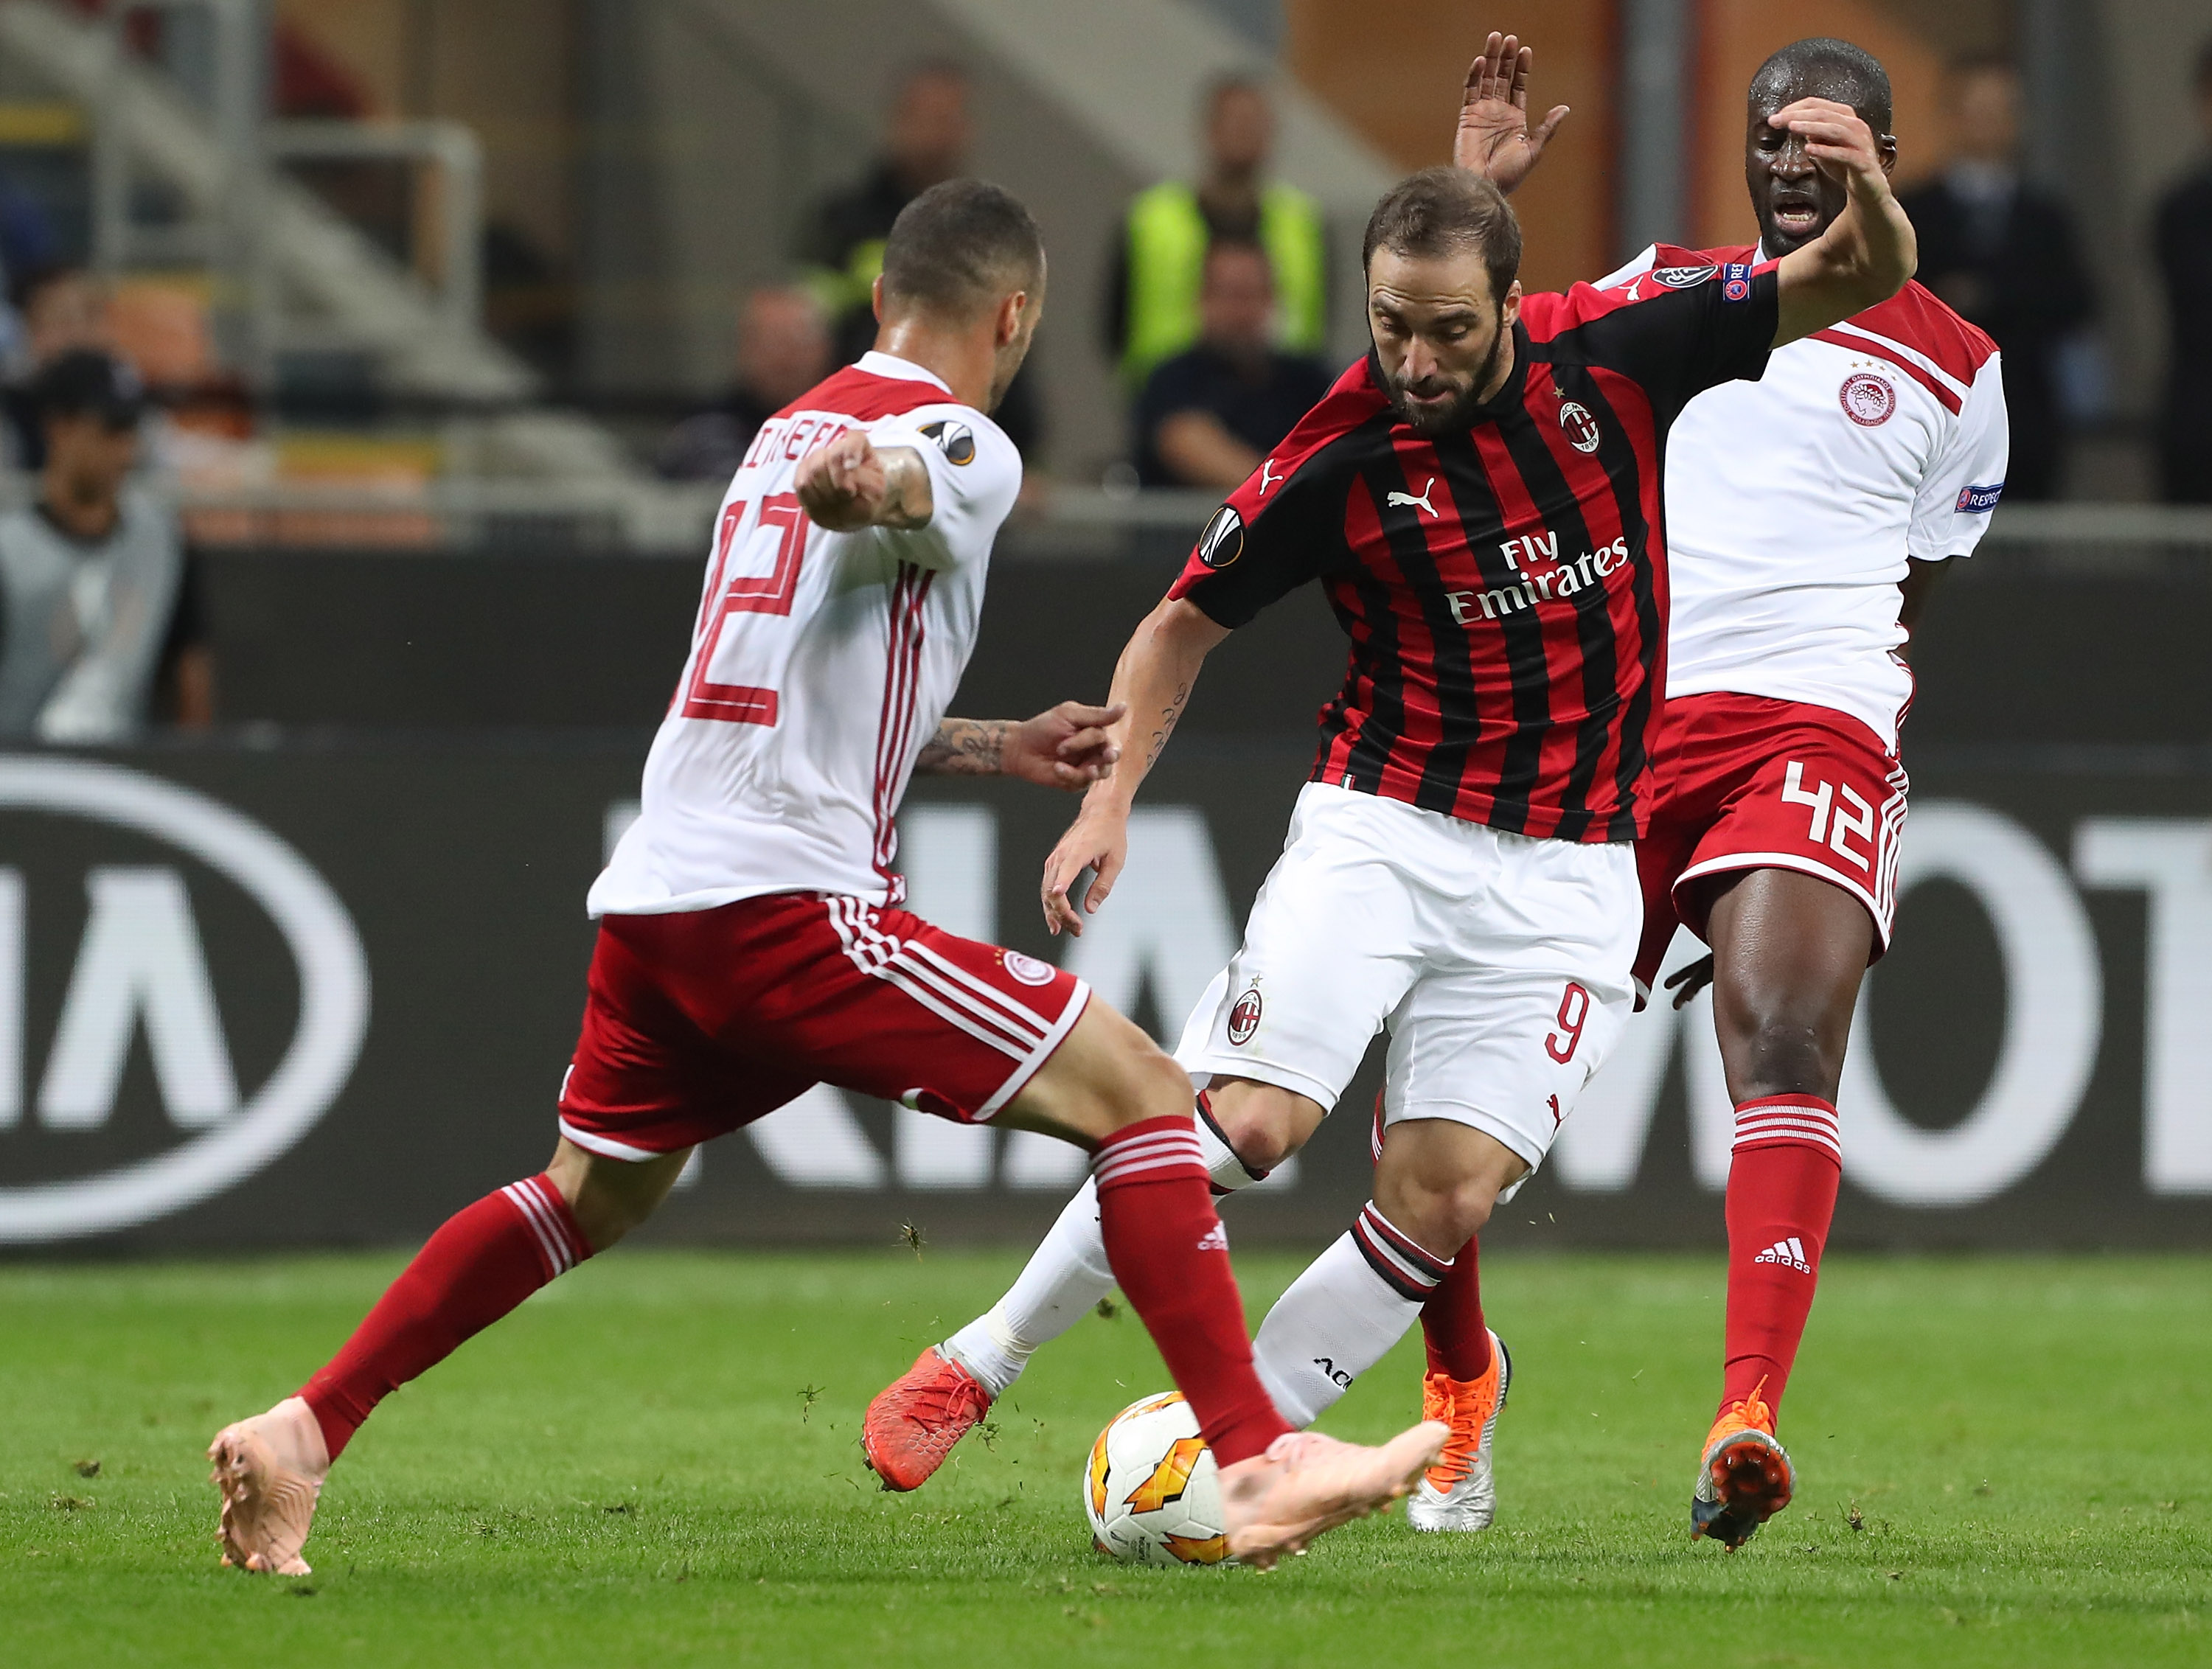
x,y
1480,497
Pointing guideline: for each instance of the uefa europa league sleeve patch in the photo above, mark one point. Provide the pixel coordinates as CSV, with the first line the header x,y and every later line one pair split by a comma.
x,y
953,437
1223,541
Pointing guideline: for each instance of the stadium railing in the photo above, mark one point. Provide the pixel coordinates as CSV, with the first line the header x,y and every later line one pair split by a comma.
x,y
650,518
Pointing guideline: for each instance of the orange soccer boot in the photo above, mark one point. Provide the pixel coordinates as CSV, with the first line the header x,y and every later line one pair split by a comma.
x,y
1460,1491
1745,1478
915,1420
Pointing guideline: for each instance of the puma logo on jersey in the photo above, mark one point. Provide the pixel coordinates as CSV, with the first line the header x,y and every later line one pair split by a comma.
x,y
1395,499
1790,1253
1268,478
1557,1117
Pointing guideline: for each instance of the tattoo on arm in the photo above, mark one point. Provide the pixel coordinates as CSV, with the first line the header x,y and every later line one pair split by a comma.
x,y
1168,714
908,504
965,747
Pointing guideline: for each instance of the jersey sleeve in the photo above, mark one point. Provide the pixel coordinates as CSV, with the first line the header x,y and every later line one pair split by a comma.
x,y
1284,525
974,476
1676,328
1952,510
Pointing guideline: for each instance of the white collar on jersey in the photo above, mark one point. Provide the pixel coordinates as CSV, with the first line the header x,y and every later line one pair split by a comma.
x,y
890,365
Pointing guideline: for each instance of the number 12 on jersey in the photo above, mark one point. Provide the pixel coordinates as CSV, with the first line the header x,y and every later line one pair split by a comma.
x,y
785,524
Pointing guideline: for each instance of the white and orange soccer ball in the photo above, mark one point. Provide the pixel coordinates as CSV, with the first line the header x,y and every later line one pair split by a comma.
x,y
1151,1491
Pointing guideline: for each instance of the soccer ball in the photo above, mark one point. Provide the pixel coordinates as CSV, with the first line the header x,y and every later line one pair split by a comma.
x,y
1151,1491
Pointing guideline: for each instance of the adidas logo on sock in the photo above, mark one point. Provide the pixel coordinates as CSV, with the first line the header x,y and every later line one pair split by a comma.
x,y
1790,1253
1217,1239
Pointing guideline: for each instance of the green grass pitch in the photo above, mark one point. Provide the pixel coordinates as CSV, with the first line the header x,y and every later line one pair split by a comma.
x,y
2002,1462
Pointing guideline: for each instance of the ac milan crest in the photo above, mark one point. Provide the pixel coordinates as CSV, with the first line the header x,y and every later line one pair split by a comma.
x,y
1579,427
1244,1018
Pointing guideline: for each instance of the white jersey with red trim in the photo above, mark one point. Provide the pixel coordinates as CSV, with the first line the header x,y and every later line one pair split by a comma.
x,y
1793,503
820,662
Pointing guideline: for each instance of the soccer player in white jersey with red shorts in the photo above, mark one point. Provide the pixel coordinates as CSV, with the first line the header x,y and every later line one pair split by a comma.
x,y
1809,513
1455,885
750,943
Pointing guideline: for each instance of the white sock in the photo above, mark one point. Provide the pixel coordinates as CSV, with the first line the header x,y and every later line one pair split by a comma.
x,y
1065,1278
1341,1317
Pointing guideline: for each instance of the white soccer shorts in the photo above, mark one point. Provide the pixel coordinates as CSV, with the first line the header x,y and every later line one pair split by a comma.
x,y
1499,965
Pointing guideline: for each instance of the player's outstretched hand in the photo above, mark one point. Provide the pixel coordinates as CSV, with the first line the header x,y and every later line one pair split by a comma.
x,y
1494,138
1097,840
844,485
1839,142
1065,748
1686,982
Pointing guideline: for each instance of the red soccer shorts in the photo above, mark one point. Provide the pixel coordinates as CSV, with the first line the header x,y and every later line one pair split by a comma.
x,y
701,1021
1741,782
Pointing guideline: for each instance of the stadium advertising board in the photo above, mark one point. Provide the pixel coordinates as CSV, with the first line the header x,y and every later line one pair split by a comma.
x,y
311,996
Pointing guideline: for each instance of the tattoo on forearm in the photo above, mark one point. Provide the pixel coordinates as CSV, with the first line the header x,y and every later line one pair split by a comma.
x,y
1168,714
965,747
907,504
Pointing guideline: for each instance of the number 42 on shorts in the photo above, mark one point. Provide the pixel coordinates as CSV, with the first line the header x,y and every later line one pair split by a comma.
x,y
1840,813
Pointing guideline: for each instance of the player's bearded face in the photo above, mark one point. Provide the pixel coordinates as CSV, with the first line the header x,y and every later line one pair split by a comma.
x,y
1440,341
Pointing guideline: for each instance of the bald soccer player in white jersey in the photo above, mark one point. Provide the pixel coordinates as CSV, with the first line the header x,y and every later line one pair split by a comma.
x,y
750,943
1806,513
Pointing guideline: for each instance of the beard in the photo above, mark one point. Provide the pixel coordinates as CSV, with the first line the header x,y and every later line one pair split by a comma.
x,y
1459,412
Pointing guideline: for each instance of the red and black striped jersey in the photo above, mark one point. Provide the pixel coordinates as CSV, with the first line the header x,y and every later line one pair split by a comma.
x,y
1504,585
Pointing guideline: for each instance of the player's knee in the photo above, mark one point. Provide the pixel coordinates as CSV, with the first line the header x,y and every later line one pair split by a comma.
x,y
1258,1123
609,1196
1441,1212
1782,1053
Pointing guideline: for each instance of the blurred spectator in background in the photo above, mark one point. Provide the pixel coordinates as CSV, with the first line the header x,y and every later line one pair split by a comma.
x,y
96,603
2184,259
927,141
2003,252
61,308
1152,290
1208,415
783,350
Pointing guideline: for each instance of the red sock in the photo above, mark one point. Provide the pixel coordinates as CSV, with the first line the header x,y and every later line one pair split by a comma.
x,y
1171,1259
480,1265
1458,1337
1780,1199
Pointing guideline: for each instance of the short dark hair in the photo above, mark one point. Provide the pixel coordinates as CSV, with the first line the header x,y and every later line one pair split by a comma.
x,y
87,383
1827,69
960,245
1444,209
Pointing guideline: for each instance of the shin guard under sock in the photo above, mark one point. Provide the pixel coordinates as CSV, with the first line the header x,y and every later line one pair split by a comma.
x,y
1171,1258
1782,1186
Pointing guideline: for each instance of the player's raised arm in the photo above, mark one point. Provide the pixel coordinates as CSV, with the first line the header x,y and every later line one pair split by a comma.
x,y
1494,139
853,483
1152,682
1869,253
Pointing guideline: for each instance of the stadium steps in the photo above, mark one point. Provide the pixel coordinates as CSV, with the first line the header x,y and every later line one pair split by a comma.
x,y
322,263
